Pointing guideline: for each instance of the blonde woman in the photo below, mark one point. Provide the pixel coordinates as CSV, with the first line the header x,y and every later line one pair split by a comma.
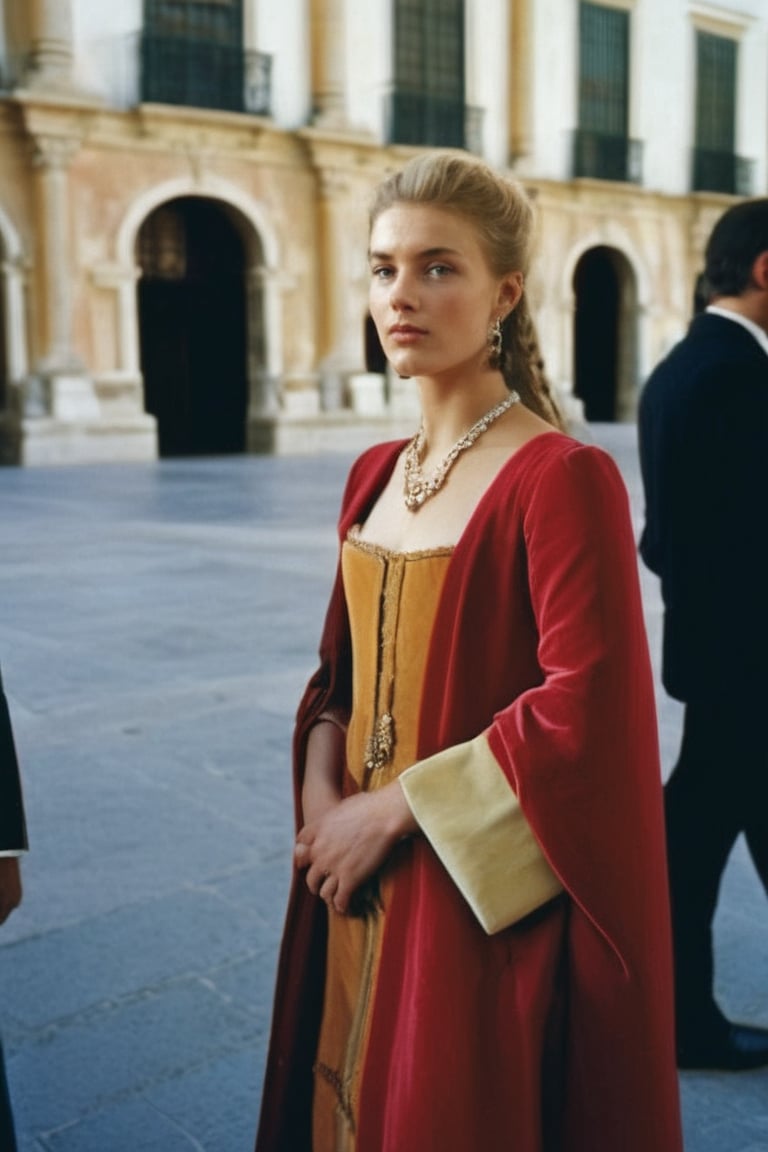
x,y
476,956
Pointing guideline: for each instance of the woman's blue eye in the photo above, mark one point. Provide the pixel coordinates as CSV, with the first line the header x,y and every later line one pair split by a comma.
x,y
438,270
381,273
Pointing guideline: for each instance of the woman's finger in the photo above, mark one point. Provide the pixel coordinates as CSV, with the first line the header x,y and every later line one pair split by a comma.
x,y
301,855
328,888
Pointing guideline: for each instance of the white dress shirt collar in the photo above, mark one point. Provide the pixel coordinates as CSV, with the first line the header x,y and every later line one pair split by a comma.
x,y
759,334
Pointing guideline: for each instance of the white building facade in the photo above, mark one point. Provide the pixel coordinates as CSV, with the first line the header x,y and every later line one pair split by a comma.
x,y
184,186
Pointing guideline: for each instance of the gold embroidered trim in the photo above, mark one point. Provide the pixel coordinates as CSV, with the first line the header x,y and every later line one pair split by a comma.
x,y
369,546
343,1102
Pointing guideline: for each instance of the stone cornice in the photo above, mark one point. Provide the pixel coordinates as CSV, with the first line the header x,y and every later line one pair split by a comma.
x,y
346,155
57,128
56,100
157,128
194,132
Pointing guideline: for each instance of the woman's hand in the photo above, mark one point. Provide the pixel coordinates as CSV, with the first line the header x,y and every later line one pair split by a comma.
x,y
350,841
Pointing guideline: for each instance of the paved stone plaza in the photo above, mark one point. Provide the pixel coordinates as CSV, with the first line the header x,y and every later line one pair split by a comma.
x,y
157,624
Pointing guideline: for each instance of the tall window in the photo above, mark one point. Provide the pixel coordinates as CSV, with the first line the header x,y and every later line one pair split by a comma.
x,y
192,53
219,21
602,145
428,98
715,164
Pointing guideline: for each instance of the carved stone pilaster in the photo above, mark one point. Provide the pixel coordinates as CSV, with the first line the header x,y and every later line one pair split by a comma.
x,y
342,236
58,385
51,158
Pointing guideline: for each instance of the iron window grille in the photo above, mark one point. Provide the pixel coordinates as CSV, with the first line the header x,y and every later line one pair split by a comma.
x,y
192,54
606,157
602,147
427,103
715,171
715,165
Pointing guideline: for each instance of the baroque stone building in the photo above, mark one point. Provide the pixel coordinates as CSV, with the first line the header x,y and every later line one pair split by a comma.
x,y
184,185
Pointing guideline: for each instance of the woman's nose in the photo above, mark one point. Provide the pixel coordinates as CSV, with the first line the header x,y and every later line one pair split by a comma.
x,y
402,292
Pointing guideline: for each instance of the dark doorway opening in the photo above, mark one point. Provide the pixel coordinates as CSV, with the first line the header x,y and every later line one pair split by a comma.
x,y
192,318
375,360
597,288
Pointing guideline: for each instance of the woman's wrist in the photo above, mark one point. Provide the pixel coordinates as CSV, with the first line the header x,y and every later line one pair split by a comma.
x,y
399,819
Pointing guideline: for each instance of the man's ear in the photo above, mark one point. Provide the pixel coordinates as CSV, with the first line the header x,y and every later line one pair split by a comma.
x,y
760,271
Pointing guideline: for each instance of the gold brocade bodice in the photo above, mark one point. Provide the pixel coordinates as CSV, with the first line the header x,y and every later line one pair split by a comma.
x,y
392,599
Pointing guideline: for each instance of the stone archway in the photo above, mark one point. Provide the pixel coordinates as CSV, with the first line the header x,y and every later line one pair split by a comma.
x,y
195,309
605,334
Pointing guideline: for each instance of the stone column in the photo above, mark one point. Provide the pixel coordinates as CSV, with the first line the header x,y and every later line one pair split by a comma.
x,y
341,260
68,393
51,45
264,340
328,64
14,275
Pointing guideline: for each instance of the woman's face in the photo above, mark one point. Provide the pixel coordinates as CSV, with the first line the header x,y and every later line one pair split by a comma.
x,y
433,295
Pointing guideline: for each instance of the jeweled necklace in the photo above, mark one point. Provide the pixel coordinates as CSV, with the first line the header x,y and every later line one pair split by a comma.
x,y
419,487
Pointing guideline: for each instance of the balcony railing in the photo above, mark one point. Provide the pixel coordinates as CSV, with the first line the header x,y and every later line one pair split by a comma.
x,y
203,74
605,157
431,121
715,171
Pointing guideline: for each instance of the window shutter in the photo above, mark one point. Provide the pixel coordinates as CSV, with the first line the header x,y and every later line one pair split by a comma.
x,y
715,93
603,70
428,102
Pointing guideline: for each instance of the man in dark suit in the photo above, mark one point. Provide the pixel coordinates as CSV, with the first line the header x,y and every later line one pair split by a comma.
x,y
704,457
13,841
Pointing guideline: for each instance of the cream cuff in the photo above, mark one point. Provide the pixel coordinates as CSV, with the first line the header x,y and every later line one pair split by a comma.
x,y
468,811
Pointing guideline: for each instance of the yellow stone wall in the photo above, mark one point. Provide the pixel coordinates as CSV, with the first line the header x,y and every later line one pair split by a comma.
x,y
305,195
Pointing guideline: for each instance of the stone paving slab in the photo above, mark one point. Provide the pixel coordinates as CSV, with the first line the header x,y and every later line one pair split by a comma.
x,y
157,625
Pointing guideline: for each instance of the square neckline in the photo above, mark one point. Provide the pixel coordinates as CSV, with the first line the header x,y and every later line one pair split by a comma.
x,y
385,553
448,549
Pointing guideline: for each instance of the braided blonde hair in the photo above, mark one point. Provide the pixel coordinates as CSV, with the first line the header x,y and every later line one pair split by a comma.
x,y
503,217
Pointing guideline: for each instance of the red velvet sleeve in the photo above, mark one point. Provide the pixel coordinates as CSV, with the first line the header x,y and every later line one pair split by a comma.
x,y
581,748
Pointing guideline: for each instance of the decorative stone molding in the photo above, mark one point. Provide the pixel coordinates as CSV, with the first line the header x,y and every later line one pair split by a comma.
x,y
54,151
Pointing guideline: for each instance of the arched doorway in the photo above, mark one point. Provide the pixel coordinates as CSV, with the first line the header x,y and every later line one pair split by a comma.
x,y
605,335
375,360
192,323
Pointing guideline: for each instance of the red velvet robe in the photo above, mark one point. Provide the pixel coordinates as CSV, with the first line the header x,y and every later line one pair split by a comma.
x,y
539,640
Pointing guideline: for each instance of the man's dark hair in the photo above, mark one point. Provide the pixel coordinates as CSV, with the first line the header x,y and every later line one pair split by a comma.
x,y
737,239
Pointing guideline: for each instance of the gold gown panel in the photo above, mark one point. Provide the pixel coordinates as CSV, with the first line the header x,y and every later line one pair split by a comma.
x,y
392,598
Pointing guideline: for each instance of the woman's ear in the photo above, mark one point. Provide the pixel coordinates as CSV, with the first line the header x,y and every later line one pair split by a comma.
x,y
510,291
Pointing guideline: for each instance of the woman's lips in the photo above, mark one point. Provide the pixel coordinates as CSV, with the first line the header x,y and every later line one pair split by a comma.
x,y
406,333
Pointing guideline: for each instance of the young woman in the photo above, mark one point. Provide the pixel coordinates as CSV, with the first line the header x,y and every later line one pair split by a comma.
x,y
476,955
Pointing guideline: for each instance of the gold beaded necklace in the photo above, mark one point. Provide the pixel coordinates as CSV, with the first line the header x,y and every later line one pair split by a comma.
x,y
418,487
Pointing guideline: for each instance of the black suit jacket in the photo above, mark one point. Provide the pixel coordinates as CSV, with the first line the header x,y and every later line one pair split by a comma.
x,y
13,831
704,457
